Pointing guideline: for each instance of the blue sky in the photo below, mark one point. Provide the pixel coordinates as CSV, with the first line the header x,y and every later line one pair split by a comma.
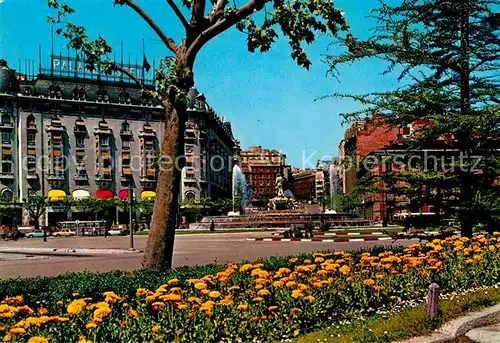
x,y
267,97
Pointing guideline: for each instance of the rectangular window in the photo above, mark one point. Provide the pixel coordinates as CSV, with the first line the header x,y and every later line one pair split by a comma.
x,y
6,137
125,144
104,141
80,142
31,138
6,168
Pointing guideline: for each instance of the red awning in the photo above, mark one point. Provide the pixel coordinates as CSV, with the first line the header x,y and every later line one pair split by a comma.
x,y
104,194
123,194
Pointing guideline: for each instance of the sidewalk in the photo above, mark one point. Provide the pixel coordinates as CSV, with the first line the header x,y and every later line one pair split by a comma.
x,y
487,334
66,251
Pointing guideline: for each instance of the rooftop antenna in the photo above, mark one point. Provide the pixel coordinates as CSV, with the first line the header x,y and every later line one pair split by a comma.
x,y
39,59
52,53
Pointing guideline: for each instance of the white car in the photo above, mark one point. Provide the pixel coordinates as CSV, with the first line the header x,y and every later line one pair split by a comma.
x,y
64,232
115,232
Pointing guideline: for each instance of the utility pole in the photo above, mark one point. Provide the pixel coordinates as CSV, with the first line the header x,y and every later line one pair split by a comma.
x,y
130,217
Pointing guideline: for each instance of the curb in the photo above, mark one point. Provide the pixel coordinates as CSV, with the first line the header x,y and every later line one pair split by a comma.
x,y
320,240
361,233
67,251
460,326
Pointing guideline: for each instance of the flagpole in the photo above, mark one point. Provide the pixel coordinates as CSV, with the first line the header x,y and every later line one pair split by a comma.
x,y
40,59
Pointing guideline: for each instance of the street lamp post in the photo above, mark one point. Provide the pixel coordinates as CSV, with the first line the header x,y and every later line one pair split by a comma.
x,y
130,217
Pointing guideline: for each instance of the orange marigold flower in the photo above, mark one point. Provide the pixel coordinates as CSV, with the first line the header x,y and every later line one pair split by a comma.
x,y
245,268
17,331
76,306
290,284
368,282
83,339
272,308
194,300
309,298
180,306
156,328
171,297
111,297
100,313
242,307
132,313
295,310
214,294
38,339
345,269
43,311
142,291
205,291
293,260
297,294
263,292
172,282
90,325
200,285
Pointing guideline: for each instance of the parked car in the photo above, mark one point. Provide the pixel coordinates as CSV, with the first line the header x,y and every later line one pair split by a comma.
x,y
36,233
115,232
64,232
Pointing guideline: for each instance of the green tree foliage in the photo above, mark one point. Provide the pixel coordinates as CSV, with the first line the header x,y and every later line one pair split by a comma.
x,y
446,54
36,205
262,21
349,203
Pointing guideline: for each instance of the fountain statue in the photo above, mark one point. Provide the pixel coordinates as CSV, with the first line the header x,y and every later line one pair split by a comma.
x,y
280,201
278,186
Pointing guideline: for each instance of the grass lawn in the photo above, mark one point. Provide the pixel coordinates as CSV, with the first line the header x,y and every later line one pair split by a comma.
x,y
407,323
193,232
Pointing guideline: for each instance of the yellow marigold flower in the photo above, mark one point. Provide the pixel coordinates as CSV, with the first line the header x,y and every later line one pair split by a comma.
x,y
171,297
257,299
478,257
176,290
277,284
180,306
272,308
17,300
242,307
245,268
17,331
234,288
379,276
132,313
6,311
156,328
100,313
309,298
377,288
75,294
263,292
38,340
172,282
227,301
76,306
368,282
345,269
83,339
25,309
194,300
470,261
90,325
295,310
205,291
319,259
200,285
496,234
293,260
290,284
297,294
111,297
214,294
303,287
6,338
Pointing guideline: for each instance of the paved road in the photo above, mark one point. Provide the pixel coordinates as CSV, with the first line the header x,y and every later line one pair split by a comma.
x,y
189,250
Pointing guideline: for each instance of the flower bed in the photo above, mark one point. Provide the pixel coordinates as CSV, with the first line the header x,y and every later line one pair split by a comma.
x,y
267,301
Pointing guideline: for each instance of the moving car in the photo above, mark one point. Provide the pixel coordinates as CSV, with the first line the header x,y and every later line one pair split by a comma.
x,y
115,232
36,233
64,232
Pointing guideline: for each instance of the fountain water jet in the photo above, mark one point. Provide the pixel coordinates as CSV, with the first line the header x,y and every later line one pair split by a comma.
x,y
333,177
239,184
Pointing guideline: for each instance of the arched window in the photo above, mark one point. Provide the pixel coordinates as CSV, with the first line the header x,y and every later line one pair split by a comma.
x,y
189,196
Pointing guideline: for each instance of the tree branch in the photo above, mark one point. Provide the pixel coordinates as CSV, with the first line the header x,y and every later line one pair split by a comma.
x,y
126,72
198,11
179,14
221,26
217,11
169,43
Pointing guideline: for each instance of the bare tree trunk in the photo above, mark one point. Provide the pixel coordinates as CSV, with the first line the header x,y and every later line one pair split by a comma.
x,y
160,247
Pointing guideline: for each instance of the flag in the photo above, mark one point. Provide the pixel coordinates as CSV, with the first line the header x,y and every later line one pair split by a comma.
x,y
145,64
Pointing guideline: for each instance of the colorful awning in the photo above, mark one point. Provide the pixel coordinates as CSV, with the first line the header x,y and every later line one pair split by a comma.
x,y
148,195
80,194
104,194
55,195
123,194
